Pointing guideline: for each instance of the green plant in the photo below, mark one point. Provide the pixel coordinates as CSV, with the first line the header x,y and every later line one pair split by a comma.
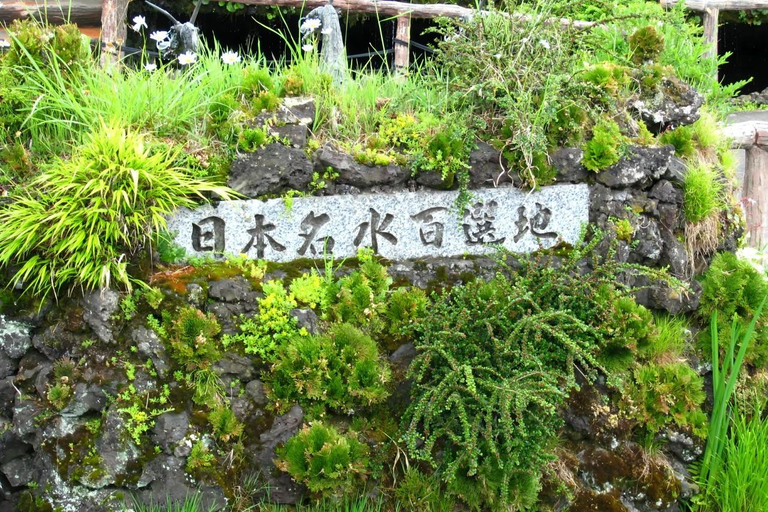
x,y
724,379
624,229
734,290
189,504
340,370
663,394
405,307
646,44
361,296
200,459
672,335
59,395
418,491
266,333
494,362
324,460
154,296
702,193
224,423
605,147
81,220
250,139
308,289
191,338
682,138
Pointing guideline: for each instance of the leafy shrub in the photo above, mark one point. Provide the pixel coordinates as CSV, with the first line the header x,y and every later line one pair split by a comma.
x,y
404,308
327,462
632,330
663,394
80,221
494,362
340,370
266,333
604,149
702,193
734,289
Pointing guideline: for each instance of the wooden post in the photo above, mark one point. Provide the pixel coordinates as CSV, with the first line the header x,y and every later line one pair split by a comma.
x,y
403,49
756,195
710,32
113,28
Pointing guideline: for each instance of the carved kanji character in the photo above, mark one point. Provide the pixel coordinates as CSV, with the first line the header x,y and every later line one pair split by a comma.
x,y
260,237
376,227
310,227
431,233
208,235
478,224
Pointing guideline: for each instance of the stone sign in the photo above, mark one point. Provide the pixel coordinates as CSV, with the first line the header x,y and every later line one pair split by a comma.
x,y
396,226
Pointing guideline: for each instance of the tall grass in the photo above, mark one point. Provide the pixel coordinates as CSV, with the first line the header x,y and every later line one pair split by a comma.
x,y
170,102
724,377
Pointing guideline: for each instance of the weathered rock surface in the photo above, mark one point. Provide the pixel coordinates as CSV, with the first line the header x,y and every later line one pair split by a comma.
x,y
229,299
676,104
281,488
356,174
149,345
272,169
170,428
99,306
640,168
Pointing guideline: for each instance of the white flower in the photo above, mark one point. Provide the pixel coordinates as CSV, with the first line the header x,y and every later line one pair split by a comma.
x,y
4,43
159,35
150,66
544,43
307,47
312,24
138,22
230,57
187,58
326,31
497,56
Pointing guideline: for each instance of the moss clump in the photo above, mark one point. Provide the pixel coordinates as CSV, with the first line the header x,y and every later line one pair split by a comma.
x,y
604,149
660,395
324,460
682,139
646,44
340,370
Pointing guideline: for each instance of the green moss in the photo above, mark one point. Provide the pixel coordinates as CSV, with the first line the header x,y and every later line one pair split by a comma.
x,y
646,44
605,147
682,139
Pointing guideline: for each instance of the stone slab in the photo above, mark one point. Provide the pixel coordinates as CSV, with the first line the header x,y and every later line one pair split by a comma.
x,y
397,226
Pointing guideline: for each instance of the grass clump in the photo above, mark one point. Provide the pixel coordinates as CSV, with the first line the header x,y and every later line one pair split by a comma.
x,y
702,193
324,460
80,221
340,370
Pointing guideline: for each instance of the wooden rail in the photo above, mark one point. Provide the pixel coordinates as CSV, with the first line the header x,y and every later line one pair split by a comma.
x,y
749,131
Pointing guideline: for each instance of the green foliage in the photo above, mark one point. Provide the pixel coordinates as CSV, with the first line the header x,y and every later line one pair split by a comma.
x,y
224,424
340,370
324,460
724,379
743,482
624,229
308,289
646,44
682,139
494,362
404,308
192,338
78,223
140,411
660,395
632,330
702,193
672,333
605,147
361,296
200,460
418,491
266,333
251,139
59,395
190,504
34,43
734,290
